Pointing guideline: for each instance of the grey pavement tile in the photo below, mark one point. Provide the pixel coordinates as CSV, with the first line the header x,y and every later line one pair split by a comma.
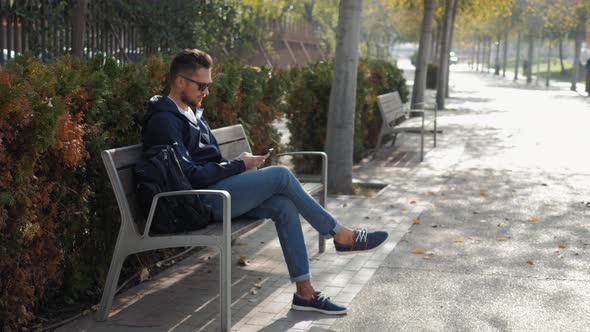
x,y
318,328
260,318
332,290
250,328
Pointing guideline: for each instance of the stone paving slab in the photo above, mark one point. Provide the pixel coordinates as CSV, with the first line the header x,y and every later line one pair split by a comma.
x,y
427,300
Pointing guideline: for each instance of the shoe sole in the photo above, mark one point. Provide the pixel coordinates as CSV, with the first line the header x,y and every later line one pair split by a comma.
x,y
354,252
298,307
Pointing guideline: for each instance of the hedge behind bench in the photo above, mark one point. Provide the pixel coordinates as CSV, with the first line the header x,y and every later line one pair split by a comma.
x,y
58,215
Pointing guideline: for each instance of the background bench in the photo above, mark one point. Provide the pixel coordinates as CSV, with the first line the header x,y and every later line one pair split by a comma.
x,y
397,119
134,234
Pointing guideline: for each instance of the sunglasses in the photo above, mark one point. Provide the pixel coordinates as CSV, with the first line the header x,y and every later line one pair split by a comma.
x,y
201,86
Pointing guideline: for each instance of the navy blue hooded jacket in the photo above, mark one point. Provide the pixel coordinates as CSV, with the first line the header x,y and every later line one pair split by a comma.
x,y
197,149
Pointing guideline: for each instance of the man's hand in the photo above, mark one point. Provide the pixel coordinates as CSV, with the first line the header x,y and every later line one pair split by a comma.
x,y
252,161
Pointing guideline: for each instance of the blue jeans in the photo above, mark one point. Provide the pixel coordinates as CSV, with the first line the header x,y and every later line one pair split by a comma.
x,y
274,192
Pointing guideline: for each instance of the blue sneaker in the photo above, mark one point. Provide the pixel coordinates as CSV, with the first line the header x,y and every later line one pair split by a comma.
x,y
363,242
319,302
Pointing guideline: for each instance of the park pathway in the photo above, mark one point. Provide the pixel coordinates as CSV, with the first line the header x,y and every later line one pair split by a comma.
x,y
506,235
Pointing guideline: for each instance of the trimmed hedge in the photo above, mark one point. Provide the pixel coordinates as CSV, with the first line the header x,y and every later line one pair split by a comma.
x,y
58,214
308,104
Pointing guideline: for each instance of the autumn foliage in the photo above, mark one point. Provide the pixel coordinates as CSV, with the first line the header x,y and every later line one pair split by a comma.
x,y
58,215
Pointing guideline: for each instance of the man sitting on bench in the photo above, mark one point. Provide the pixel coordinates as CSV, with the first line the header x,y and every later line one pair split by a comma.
x,y
271,192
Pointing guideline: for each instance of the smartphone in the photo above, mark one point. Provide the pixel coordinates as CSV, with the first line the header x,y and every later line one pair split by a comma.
x,y
269,151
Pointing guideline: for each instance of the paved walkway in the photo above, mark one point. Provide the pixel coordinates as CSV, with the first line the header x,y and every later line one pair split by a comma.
x,y
499,209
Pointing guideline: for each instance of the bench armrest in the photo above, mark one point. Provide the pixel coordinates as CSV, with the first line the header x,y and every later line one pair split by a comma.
x,y
224,195
323,155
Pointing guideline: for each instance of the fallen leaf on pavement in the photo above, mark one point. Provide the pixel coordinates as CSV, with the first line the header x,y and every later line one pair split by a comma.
x,y
459,240
413,202
416,222
531,262
534,219
418,251
402,209
562,246
484,194
243,260
144,274
502,239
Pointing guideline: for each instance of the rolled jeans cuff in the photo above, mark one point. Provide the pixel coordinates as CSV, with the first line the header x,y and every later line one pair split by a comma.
x,y
334,230
303,277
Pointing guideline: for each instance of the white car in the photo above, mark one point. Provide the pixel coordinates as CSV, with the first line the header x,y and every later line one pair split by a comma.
x,y
453,58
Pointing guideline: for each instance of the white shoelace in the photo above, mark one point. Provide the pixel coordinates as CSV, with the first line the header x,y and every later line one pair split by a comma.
x,y
322,297
361,235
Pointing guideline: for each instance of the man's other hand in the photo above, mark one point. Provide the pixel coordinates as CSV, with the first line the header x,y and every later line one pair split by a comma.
x,y
252,161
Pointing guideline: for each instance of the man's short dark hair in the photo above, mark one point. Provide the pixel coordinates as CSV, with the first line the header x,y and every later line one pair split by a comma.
x,y
189,61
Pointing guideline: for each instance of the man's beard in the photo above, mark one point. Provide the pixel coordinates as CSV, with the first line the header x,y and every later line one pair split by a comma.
x,y
190,103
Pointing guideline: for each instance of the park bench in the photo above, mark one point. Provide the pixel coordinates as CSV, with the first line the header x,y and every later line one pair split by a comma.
x,y
397,119
134,235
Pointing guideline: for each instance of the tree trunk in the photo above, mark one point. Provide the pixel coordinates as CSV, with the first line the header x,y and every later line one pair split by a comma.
x,y
577,46
423,52
505,57
497,59
548,76
439,35
79,28
561,55
340,131
529,71
517,64
455,6
477,57
433,48
473,54
490,51
538,74
444,55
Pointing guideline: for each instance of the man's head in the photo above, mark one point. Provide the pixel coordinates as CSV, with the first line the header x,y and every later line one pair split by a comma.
x,y
190,76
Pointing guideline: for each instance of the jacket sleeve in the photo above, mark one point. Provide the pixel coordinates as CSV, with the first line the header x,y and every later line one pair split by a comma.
x,y
166,129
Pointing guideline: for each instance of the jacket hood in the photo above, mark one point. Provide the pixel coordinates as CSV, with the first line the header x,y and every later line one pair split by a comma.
x,y
158,104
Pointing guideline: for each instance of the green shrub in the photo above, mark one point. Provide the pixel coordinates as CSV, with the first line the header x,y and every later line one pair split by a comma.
x,y
58,214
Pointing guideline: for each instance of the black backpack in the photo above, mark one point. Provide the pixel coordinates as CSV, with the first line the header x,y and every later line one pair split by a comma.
x,y
159,171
